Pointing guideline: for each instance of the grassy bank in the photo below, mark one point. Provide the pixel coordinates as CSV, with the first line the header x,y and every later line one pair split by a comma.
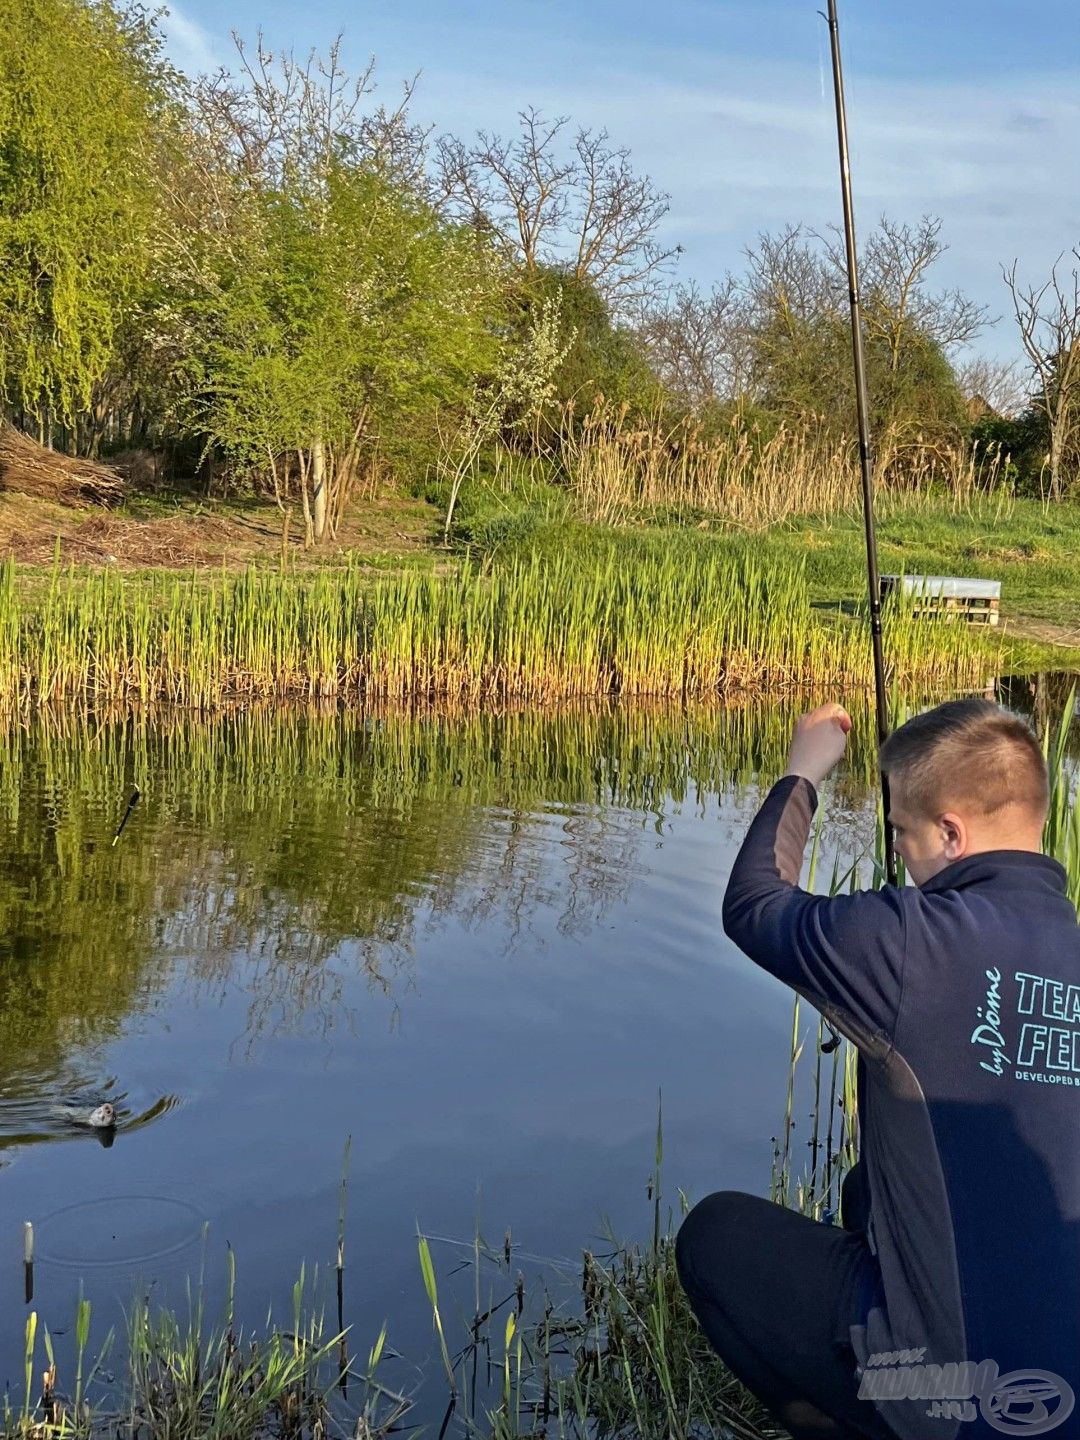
x,y
1030,548
1032,551
671,619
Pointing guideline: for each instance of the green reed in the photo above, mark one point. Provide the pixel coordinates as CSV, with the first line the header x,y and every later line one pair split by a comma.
x,y
188,1379
610,1348
677,622
617,1354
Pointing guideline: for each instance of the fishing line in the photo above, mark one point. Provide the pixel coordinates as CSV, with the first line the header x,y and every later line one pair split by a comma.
x,y
862,406
821,62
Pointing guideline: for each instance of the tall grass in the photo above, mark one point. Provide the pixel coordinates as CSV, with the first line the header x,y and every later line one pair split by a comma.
x,y
672,621
614,1351
1061,836
620,469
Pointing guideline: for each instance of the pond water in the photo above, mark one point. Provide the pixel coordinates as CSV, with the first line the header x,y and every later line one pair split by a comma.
x,y
479,946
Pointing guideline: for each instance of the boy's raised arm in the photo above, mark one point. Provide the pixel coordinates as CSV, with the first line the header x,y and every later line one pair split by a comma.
x,y
844,953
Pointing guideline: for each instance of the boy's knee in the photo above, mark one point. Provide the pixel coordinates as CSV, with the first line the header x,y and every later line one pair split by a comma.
x,y
710,1233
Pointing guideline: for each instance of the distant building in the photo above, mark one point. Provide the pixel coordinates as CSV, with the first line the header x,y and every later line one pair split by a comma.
x,y
979,408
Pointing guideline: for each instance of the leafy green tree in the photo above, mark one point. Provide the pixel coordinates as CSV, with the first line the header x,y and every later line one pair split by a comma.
x,y
335,308
602,359
1018,443
84,94
606,356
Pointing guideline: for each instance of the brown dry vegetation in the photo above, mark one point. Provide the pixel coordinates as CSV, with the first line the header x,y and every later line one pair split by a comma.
x,y
47,497
620,471
27,468
191,536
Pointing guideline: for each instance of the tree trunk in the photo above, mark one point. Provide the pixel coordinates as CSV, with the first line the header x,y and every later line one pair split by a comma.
x,y
1057,426
318,486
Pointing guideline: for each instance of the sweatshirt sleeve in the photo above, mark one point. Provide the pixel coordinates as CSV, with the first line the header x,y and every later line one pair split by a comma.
x,y
844,953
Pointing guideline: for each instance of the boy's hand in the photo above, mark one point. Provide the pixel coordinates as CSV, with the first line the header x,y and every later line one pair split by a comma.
x,y
819,742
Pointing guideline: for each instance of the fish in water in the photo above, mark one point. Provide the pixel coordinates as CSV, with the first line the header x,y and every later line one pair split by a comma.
x,y
100,1117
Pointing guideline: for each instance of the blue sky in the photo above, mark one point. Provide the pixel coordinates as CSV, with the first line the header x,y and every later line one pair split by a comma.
x,y
966,110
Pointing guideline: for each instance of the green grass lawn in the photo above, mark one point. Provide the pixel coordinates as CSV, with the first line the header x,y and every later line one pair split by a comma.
x,y
1035,555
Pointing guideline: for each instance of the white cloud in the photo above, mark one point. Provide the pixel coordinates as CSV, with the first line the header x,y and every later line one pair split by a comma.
x,y
190,47
745,144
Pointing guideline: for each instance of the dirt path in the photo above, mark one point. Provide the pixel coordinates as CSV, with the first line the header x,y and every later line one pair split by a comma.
x,y
1022,627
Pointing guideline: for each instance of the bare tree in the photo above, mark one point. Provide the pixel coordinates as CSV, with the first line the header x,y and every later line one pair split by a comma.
x,y
701,344
788,281
1048,318
894,263
997,384
282,115
578,205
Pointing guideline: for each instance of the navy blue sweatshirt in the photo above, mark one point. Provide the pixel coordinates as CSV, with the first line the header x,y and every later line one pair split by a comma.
x,y
963,999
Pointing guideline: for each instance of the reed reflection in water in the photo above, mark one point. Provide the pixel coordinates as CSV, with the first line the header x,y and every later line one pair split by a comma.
x,y
478,943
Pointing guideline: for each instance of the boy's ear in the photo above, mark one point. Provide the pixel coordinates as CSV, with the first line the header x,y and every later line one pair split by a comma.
x,y
954,834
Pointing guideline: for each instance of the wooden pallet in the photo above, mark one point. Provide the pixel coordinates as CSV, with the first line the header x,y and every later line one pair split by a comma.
x,y
977,601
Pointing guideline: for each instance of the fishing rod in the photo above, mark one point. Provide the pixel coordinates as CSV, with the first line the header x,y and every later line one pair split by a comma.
x,y
866,461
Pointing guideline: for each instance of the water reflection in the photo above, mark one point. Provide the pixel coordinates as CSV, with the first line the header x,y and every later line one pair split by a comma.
x,y
299,847
477,943
303,847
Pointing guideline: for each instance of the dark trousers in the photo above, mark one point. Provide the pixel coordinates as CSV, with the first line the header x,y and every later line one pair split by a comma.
x,y
774,1292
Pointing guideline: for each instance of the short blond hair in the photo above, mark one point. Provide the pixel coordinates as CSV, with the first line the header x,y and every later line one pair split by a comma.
x,y
972,753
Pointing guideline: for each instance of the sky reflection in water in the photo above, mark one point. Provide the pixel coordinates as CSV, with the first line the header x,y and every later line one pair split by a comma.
x,y
480,946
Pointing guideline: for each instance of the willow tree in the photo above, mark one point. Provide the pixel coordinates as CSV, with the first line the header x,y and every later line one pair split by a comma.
x,y
339,307
82,92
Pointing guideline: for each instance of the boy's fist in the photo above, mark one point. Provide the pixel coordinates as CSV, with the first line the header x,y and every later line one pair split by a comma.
x,y
819,742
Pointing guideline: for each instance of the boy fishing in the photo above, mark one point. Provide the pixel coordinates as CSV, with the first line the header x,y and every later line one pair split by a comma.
x,y
949,1298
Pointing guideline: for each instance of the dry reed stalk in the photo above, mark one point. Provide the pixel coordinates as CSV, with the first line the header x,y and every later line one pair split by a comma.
x,y
621,469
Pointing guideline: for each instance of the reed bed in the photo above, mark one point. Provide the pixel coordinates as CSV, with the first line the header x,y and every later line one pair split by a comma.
x,y
676,622
620,470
